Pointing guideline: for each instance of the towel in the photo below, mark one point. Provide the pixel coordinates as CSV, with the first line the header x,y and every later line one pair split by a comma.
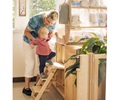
x,y
102,19
84,3
64,13
93,18
103,3
76,3
75,20
94,3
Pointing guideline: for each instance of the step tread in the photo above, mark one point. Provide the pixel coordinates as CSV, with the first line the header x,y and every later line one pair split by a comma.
x,y
36,89
56,65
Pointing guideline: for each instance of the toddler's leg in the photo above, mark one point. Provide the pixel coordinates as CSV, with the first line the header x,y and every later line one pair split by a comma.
x,y
51,55
42,60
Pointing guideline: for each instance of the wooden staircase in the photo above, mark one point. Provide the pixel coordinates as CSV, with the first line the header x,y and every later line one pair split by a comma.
x,y
44,84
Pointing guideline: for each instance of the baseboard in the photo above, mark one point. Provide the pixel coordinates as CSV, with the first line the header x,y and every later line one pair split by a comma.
x,y
22,79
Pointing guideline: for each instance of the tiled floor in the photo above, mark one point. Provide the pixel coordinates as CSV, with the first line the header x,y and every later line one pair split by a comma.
x,y
18,95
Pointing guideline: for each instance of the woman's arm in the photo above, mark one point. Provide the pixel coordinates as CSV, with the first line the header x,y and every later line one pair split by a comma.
x,y
50,35
35,42
27,32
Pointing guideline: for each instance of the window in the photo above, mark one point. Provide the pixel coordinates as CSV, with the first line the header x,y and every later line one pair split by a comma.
x,y
32,7
37,6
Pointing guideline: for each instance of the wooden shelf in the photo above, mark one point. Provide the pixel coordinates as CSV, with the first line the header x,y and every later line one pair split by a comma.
x,y
80,44
90,7
72,27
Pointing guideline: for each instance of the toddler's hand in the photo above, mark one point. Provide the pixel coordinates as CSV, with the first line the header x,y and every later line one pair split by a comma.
x,y
32,46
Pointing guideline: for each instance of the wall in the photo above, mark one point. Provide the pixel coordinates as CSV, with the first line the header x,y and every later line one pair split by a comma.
x,y
21,21
18,54
18,51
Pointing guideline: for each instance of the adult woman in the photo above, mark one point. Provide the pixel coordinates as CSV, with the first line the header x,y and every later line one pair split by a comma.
x,y
30,33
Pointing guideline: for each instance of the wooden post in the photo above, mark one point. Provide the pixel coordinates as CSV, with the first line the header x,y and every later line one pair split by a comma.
x,y
83,78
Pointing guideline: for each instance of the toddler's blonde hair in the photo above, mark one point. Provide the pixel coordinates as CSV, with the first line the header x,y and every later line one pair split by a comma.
x,y
42,31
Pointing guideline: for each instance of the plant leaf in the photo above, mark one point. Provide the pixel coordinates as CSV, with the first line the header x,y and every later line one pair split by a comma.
x,y
81,39
96,36
75,82
103,49
87,43
77,42
71,70
76,64
74,73
73,57
95,48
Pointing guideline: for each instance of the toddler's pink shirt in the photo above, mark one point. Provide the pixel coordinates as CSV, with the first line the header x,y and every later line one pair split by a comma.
x,y
43,47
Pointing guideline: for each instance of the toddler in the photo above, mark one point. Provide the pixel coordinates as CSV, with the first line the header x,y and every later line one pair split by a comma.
x,y
43,50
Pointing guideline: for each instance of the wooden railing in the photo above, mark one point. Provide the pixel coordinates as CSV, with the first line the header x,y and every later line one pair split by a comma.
x,y
87,78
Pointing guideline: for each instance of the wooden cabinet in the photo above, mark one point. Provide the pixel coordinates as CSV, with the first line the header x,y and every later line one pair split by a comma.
x,y
70,88
88,86
59,76
65,86
73,32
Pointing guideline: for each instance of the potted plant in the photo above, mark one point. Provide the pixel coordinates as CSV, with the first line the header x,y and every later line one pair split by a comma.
x,y
95,45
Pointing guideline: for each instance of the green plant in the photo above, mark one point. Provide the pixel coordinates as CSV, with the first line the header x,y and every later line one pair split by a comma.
x,y
95,45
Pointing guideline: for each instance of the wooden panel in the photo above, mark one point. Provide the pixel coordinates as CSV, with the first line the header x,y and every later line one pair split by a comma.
x,y
67,33
88,88
65,87
59,76
70,89
60,52
95,79
87,78
96,93
69,85
91,75
101,90
83,79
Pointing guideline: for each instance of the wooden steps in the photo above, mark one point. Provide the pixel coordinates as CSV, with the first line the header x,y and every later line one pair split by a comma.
x,y
43,84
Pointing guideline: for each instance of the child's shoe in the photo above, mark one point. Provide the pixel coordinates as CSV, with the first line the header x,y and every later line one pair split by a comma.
x,y
49,62
42,75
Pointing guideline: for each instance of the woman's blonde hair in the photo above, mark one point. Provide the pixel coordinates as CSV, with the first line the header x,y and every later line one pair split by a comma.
x,y
53,15
42,31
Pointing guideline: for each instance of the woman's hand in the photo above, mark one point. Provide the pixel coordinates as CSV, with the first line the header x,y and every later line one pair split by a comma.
x,y
51,34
